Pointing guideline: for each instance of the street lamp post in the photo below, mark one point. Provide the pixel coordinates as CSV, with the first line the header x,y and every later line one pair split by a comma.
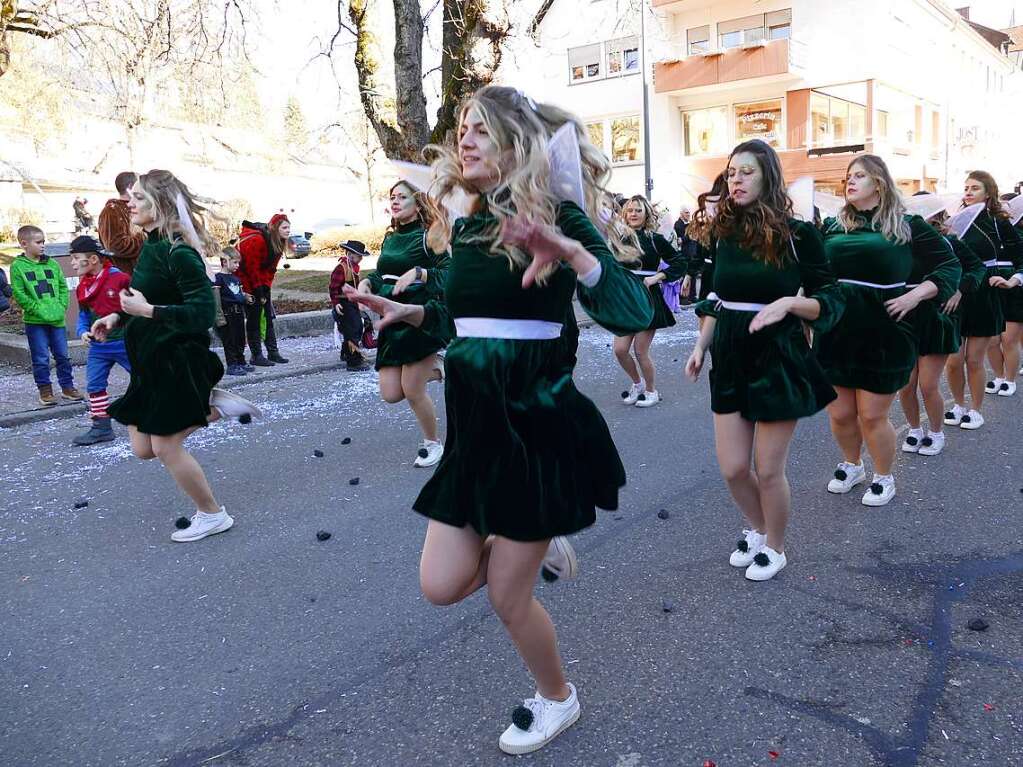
x,y
648,182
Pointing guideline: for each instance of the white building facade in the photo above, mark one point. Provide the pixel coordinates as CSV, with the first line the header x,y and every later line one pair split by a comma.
x,y
910,80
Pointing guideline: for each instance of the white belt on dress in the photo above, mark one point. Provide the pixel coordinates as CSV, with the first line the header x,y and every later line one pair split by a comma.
x,y
396,277
736,306
708,261
494,327
874,284
994,263
642,273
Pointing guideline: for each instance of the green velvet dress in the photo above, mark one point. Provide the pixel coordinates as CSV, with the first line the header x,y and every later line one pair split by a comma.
x,y
997,243
770,375
867,349
403,249
705,269
937,332
527,456
172,368
655,249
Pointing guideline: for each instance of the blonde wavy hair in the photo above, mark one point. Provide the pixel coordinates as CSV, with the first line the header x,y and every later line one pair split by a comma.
x,y
651,218
890,219
520,128
162,190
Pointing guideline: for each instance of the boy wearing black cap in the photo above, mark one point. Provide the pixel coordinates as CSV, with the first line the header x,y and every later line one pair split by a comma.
x,y
347,315
99,294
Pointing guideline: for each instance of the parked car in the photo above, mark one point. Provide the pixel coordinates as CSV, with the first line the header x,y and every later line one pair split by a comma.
x,y
299,245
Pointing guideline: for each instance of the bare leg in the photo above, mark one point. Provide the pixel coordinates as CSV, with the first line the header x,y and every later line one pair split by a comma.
x,y
994,356
646,363
908,399
141,444
771,450
733,439
956,372
622,345
845,426
878,432
390,385
414,378
511,578
1011,339
929,368
975,373
185,470
453,564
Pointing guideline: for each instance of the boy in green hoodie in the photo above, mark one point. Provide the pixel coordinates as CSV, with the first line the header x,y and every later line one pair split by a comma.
x,y
41,290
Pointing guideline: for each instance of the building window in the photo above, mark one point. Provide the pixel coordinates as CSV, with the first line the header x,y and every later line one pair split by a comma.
x,y
760,119
622,56
706,131
698,40
626,140
881,129
595,131
612,58
835,121
750,30
584,62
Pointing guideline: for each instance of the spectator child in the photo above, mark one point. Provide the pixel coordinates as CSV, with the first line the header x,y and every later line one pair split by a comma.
x,y
99,294
40,288
232,302
348,315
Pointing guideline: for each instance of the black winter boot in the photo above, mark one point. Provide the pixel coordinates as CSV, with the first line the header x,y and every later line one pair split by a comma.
x,y
100,431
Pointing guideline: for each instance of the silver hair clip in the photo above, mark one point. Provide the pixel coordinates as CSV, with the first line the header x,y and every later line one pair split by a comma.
x,y
529,102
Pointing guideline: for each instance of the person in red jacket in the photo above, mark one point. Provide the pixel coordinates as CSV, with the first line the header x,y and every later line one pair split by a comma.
x,y
261,247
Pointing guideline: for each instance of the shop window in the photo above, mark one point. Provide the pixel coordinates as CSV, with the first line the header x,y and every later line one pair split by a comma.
x,y
706,131
626,140
595,131
760,119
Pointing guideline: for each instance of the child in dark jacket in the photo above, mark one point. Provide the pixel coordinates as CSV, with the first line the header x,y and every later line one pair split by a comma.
x,y
5,292
99,294
232,301
347,315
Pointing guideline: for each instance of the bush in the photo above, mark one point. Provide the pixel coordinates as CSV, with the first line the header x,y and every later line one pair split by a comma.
x,y
226,221
328,241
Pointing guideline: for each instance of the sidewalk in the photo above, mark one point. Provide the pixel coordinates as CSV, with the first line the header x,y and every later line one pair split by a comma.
x,y
18,395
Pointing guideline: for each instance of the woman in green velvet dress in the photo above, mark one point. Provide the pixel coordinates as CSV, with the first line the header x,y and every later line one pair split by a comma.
x,y
1000,246
764,375
874,247
169,310
937,329
527,457
640,217
409,272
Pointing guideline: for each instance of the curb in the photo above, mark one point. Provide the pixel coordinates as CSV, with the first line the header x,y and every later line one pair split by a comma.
x,y
71,411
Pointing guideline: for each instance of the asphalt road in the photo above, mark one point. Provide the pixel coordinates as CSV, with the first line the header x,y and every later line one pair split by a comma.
x,y
263,646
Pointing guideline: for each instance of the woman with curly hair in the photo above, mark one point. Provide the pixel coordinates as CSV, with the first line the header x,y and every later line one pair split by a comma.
x,y
409,272
169,310
875,248
527,457
641,218
764,376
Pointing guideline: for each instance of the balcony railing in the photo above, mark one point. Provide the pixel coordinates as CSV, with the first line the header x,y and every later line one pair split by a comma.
x,y
715,67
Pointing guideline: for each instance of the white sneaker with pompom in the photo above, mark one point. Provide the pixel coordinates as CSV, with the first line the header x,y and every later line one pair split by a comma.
x,y
538,721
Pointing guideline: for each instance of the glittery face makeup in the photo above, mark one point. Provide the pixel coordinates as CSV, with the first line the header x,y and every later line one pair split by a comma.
x,y
745,178
478,152
861,189
140,208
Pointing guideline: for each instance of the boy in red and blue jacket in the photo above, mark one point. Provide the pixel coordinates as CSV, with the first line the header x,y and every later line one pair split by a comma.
x,y
99,294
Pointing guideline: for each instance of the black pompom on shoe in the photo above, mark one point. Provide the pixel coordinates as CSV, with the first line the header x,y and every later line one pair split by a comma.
x,y
245,419
876,488
742,546
182,523
522,717
840,475
762,559
422,452
548,575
